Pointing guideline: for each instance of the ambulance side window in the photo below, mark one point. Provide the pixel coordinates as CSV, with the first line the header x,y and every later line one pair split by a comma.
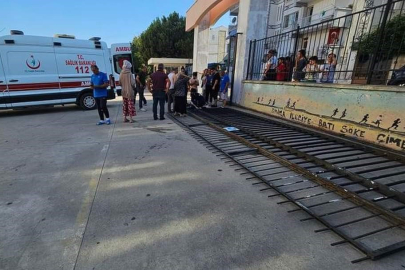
x,y
119,60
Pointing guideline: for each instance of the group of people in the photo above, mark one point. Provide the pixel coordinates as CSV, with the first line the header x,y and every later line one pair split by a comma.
x,y
214,84
175,86
172,88
304,70
180,85
130,87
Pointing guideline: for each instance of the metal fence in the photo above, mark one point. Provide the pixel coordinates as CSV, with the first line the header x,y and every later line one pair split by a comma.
x,y
365,47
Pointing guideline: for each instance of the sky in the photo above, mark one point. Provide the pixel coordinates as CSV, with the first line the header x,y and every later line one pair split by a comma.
x,y
113,21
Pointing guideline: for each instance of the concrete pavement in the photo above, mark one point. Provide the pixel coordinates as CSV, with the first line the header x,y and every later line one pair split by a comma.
x,y
74,195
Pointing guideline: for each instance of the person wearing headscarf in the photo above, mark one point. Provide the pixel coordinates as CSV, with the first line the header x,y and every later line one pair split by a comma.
x,y
180,95
127,82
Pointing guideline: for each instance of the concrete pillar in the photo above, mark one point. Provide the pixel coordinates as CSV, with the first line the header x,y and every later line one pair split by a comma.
x,y
201,47
252,23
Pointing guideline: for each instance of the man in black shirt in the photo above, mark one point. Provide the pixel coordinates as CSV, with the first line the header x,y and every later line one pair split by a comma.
x,y
140,87
216,83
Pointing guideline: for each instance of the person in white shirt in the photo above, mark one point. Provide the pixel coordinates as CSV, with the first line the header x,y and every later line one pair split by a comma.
x,y
271,65
172,77
204,81
328,69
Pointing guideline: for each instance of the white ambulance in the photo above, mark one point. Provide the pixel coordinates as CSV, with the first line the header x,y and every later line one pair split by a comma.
x,y
38,71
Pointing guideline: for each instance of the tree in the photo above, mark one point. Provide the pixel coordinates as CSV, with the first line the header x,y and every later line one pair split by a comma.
x,y
137,56
165,37
393,42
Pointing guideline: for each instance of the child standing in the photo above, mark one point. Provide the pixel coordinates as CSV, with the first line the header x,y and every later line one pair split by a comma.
x,y
311,70
281,70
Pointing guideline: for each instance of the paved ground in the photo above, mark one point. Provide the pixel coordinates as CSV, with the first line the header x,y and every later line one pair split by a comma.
x,y
141,196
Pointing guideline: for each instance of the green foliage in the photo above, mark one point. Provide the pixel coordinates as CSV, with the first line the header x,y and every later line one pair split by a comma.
x,y
393,42
137,56
165,37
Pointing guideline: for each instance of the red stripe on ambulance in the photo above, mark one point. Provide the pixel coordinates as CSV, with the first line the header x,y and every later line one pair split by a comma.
x,y
45,86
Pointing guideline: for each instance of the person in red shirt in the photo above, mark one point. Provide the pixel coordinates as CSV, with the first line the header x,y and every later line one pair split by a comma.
x,y
281,70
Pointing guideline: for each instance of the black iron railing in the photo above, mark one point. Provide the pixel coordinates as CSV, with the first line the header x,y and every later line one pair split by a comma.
x,y
365,47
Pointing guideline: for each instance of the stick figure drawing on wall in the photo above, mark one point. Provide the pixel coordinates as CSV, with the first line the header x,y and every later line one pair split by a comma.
x,y
365,119
378,121
288,103
344,114
395,124
335,112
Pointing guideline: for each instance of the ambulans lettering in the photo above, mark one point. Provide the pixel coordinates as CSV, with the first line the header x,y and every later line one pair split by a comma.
x,y
85,83
122,49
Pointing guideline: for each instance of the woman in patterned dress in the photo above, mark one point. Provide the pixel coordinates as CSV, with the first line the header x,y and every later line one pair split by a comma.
x,y
127,82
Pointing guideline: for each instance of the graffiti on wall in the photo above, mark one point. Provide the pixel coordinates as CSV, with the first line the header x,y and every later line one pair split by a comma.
x,y
373,116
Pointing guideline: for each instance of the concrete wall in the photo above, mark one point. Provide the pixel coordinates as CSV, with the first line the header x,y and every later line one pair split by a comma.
x,y
222,45
217,44
370,113
252,24
201,46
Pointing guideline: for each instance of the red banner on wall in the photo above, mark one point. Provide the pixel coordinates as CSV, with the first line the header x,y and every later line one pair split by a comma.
x,y
333,37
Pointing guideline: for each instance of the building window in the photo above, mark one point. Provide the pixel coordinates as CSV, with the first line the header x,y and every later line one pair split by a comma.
x,y
310,12
305,43
279,8
290,20
278,11
285,24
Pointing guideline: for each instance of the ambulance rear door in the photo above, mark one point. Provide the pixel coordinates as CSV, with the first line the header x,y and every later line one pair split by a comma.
x,y
119,53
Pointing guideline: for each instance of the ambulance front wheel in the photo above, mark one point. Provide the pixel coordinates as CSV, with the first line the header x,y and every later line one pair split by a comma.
x,y
87,101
